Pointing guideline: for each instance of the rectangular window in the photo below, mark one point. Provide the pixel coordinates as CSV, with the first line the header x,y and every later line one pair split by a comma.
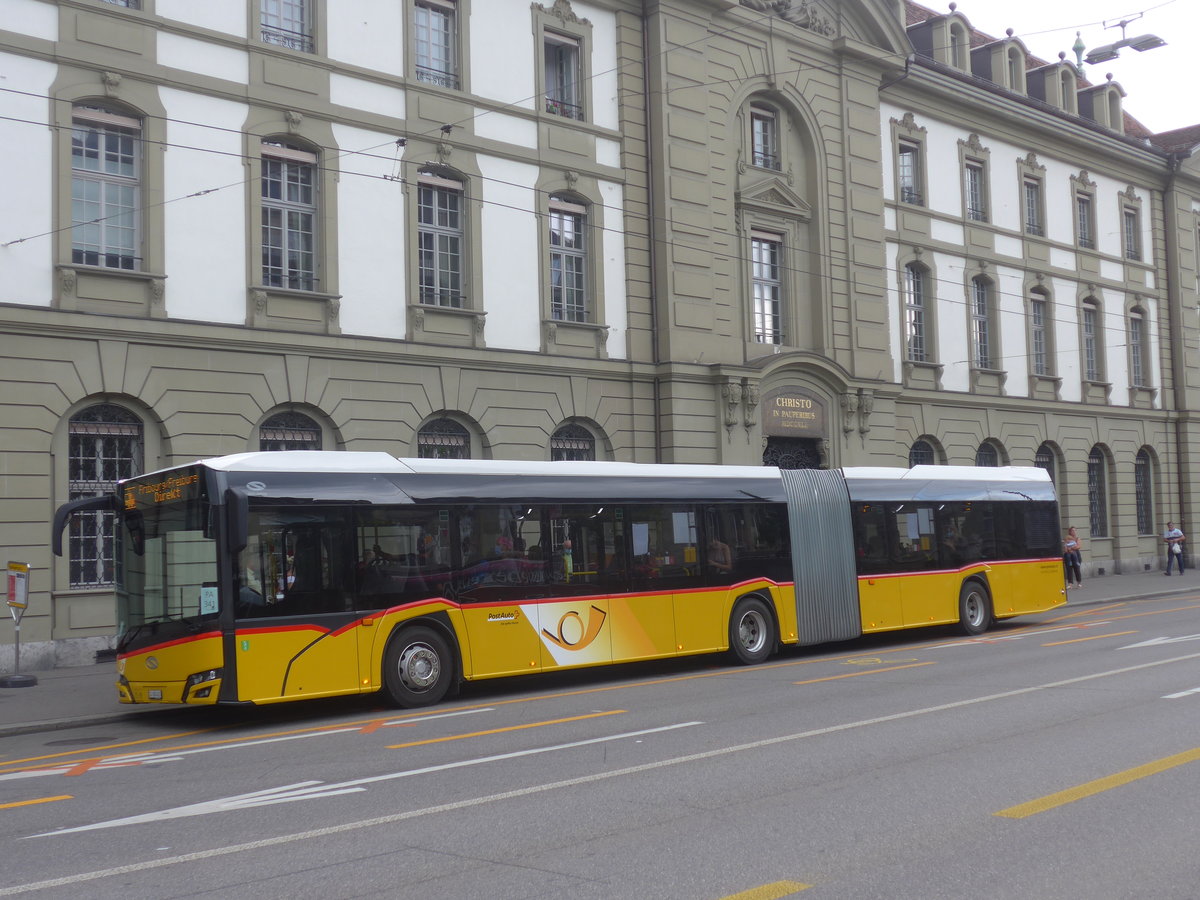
x,y
1037,329
1097,495
1137,336
568,263
973,188
981,325
1084,229
909,169
440,243
766,265
1133,237
106,165
563,94
1091,355
289,215
1032,191
764,138
914,312
435,38
287,23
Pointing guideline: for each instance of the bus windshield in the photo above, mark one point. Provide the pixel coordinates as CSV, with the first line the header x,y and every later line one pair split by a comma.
x,y
167,560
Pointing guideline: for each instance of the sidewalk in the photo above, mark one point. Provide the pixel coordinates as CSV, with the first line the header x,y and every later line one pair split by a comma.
x,y
86,695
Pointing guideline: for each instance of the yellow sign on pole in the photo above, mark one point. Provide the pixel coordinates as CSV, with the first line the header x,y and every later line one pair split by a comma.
x,y
18,586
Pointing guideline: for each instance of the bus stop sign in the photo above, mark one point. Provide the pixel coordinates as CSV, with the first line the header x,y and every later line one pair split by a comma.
x,y
18,589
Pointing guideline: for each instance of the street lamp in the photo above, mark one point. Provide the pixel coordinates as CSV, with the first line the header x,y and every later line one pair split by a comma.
x,y
1141,43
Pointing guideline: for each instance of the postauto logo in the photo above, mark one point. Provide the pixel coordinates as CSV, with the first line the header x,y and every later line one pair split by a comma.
x,y
573,632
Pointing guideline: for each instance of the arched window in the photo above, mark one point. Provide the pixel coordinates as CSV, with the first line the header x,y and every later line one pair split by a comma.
x,y
987,455
443,439
1143,492
1044,459
106,444
958,46
289,216
106,175
1097,493
921,454
1067,83
289,431
1016,70
915,309
572,442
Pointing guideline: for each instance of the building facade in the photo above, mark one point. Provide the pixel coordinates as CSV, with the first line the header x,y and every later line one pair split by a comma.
x,y
786,233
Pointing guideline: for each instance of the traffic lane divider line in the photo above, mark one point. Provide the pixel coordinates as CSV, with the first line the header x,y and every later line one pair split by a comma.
x,y
1094,637
165,737
867,672
36,801
508,728
1091,788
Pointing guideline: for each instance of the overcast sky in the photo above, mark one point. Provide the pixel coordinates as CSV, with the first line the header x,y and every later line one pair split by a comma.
x,y
1160,85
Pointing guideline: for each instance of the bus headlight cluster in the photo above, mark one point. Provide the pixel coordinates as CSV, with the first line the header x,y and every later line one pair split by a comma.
x,y
201,677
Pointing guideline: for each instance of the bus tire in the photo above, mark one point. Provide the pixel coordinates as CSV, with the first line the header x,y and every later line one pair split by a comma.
x,y
418,668
974,607
751,631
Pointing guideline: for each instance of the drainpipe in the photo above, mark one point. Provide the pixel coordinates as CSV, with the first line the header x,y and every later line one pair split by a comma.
x,y
1176,327
651,230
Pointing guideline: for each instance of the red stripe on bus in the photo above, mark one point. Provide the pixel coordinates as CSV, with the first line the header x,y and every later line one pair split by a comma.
x,y
153,648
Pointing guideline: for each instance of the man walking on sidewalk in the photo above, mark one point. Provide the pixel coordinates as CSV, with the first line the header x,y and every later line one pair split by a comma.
x,y
1174,539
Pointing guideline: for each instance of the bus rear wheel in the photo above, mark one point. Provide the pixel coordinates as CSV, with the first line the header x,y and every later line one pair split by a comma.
x,y
418,667
751,631
974,608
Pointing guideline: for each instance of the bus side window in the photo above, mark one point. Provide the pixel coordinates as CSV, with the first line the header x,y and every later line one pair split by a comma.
x,y
870,538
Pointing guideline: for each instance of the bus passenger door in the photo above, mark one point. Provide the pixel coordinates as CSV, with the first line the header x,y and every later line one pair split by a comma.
x,y
878,585
296,634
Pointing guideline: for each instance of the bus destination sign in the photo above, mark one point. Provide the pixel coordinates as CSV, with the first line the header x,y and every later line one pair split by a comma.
x,y
171,489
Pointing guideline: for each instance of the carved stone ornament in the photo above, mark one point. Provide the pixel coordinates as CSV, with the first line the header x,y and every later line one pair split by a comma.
x,y
908,123
158,290
749,404
849,402
823,452
294,120
572,179
260,301
479,323
804,14
601,340
443,152
334,309
111,82
866,404
418,319
973,143
1030,161
562,11
731,391
66,280
551,333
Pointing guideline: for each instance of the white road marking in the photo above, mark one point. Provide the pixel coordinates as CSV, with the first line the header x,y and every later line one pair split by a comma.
x,y
346,827
988,638
308,790
133,759
1195,690
1154,642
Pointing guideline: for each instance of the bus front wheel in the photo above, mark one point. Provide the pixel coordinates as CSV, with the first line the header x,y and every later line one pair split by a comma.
x,y
751,631
974,608
418,668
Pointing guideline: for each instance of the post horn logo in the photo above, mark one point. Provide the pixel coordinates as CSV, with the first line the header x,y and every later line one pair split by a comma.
x,y
573,634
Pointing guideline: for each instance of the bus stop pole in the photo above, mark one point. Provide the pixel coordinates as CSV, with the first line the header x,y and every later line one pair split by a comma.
x,y
18,600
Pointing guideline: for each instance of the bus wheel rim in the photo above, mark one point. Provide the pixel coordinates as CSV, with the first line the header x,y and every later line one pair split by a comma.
x,y
420,667
752,631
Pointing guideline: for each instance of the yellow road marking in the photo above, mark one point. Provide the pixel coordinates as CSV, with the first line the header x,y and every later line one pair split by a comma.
x,y
1094,637
165,737
868,672
459,737
38,800
772,891
1070,795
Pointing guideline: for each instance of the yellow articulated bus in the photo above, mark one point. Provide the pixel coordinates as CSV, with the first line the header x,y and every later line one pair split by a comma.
x,y
267,577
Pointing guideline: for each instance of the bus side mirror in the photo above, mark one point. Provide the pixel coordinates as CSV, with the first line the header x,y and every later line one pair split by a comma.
x,y
106,502
237,515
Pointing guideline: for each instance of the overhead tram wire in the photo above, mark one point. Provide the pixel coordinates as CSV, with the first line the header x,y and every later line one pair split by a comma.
x,y
834,257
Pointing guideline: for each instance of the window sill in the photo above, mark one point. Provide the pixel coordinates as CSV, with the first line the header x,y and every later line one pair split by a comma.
x,y
1142,397
923,375
446,325
585,339
988,381
1045,387
114,292
1096,392
286,309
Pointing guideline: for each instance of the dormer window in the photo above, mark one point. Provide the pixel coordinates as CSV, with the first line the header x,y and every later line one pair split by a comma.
x,y
1066,80
959,44
1015,60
